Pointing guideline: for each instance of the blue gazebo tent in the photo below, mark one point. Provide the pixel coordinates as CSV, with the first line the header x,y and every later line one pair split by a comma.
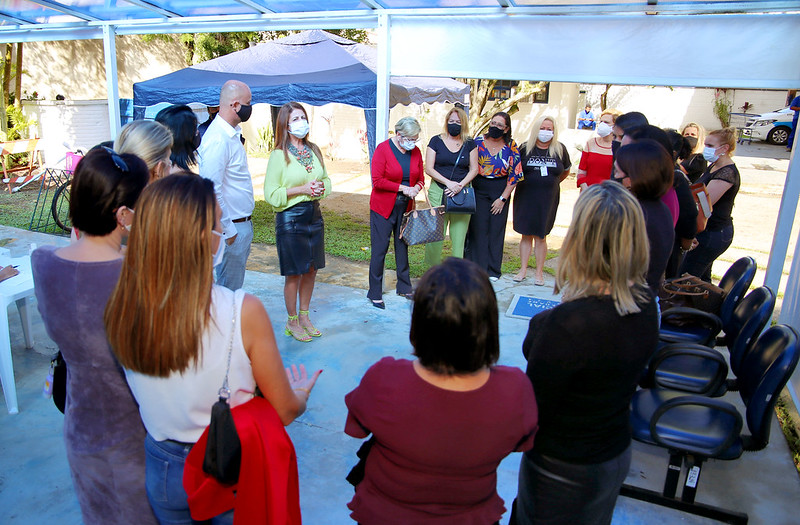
x,y
314,67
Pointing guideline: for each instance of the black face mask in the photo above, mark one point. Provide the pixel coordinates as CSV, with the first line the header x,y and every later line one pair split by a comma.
x,y
692,141
245,110
495,132
454,129
615,144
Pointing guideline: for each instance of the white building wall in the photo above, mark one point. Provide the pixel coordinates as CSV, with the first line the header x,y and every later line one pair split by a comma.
x,y
76,123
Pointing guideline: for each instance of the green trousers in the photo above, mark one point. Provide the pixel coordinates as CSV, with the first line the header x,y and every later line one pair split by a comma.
x,y
457,223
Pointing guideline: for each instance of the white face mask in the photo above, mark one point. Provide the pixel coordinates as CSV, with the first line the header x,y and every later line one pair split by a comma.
x,y
603,129
299,128
545,135
220,249
710,154
408,145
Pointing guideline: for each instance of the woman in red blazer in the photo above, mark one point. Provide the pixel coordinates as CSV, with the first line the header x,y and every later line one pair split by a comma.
x,y
397,177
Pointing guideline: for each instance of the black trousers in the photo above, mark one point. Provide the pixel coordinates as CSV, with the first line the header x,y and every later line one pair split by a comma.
x,y
380,232
487,232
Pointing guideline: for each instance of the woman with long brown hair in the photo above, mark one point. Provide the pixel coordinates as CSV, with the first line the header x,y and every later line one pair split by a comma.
x,y
171,327
295,182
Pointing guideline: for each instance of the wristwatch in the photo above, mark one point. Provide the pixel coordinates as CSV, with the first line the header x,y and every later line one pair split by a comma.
x,y
503,198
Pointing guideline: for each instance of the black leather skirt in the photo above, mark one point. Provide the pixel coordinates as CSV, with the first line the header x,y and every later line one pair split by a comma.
x,y
300,236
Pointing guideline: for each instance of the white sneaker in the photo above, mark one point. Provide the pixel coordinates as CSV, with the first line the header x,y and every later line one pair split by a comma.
x,y
494,279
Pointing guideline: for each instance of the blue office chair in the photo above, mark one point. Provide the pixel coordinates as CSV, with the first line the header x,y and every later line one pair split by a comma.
x,y
702,370
695,428
702,327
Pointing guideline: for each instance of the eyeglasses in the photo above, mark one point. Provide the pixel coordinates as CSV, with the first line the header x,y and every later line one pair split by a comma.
x,y
501,125
410,139
118,162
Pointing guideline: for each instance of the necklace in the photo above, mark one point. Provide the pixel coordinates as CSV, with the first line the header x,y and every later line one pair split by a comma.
x,y
303,156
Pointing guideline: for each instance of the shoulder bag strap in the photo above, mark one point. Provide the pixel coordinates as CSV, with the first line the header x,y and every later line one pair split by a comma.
x,y
225,392
457,159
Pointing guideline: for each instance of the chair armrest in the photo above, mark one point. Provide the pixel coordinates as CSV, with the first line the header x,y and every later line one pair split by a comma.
x,y
705,319
696,401
691,350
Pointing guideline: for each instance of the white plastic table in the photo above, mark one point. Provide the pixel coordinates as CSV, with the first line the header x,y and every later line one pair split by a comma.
x,y
17,289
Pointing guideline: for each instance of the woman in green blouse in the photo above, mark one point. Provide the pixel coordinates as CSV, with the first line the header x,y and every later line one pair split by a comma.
x,y
295,181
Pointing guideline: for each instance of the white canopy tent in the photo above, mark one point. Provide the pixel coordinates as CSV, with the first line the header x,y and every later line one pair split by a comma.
x,y
712,43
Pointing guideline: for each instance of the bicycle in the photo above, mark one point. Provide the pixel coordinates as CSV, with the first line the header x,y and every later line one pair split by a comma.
x,y
59,208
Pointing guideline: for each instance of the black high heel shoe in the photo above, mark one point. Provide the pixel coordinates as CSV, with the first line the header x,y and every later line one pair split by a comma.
x,y
378,304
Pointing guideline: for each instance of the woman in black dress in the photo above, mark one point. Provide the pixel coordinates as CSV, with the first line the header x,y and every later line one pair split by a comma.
x,y
545,163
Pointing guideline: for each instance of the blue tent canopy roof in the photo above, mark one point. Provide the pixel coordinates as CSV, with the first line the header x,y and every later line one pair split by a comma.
x,y
313,66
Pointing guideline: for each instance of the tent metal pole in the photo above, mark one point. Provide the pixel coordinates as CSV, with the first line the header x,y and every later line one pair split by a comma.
x,y
790,308
783,228
110,55
383,73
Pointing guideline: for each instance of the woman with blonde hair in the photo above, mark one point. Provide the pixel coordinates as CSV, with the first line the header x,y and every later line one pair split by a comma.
x,y
174,332
722,181
585,357
694,165
451,160
545,163
295,182
597,159
149,140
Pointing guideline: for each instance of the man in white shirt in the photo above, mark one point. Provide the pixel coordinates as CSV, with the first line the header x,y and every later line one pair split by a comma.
x,y
223,160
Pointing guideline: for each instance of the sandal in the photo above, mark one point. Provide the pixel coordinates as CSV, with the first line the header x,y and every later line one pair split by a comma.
x,y
518,278
312,331
301,335
539,281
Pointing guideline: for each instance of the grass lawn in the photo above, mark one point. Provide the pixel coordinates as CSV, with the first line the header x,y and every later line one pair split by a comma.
x,y
345,235
348,236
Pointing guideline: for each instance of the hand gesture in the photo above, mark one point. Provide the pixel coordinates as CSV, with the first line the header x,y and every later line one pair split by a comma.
x,y
497,206
299,379
452,188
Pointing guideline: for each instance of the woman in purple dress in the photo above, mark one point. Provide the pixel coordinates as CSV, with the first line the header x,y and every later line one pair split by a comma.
x,y
103,432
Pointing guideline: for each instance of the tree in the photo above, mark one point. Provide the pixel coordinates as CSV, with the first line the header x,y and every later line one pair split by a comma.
x,y
481,108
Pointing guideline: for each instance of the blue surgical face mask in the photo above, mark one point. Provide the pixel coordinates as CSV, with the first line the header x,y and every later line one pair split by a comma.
x,y
299,128
220,249
710,154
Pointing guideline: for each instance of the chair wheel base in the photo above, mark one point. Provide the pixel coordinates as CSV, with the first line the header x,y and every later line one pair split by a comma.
x,y
698,509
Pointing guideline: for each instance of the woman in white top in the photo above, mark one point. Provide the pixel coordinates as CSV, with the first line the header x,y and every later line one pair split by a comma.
x,y
175,355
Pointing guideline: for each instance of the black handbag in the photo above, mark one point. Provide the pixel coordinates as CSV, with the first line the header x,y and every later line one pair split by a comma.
x,y
58,373
223,457
463,201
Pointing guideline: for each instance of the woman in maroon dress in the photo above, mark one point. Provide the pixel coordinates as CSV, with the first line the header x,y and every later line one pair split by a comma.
x,y
441,423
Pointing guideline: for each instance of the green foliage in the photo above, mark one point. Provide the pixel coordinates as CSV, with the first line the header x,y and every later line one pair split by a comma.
x,y
19,124
722,107
265,140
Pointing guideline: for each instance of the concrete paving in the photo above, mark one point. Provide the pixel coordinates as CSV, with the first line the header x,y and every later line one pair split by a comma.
x,y
35,485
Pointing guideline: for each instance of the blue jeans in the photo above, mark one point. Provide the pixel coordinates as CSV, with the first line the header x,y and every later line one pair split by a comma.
x,y
230,273
711,244
164,462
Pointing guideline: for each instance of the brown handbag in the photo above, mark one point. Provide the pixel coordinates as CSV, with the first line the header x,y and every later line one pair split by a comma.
x,y
703,203
421,226
691,291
